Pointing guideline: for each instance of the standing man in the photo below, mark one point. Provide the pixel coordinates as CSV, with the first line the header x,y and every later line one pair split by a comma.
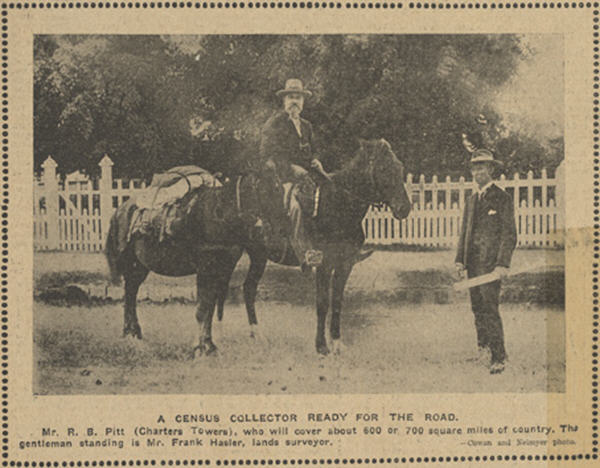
x,y
487,240
287,143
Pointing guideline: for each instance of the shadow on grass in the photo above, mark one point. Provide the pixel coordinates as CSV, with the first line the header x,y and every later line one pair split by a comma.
x,y
74,348
287,285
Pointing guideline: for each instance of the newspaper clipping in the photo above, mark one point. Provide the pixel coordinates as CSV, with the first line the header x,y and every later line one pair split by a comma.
x,y
318,236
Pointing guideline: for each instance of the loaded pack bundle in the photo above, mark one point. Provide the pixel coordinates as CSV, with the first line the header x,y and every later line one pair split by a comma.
x,y
160,209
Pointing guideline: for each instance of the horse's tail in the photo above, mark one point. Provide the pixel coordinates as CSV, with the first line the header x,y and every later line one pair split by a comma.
x,y
112,250
223,288
221,296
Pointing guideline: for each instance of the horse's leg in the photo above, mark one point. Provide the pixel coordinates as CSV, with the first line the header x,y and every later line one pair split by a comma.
x,y
340,277
211,274
323,281
228,267
207,289
258,262
222,291
134,276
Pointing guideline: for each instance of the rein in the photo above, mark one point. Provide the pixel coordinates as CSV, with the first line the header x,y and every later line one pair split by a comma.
x,y
238,197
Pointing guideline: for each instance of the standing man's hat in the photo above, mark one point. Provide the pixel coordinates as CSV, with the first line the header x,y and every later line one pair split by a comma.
x,y
293,85
484,155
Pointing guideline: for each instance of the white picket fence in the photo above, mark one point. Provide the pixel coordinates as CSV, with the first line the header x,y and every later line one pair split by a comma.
x,y
73,214
437,209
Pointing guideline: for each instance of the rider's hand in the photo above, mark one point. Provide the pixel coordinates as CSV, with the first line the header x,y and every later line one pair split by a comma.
x,y
316,164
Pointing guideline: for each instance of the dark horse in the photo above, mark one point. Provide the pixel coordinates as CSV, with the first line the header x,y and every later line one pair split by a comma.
x,y
374,175
218,223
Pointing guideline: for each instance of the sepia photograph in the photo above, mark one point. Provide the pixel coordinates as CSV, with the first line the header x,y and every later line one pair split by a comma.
x,y
298,214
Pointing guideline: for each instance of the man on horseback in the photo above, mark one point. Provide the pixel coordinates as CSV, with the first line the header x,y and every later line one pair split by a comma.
x,y
287,143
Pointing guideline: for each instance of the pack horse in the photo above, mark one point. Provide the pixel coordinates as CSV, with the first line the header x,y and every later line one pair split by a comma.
x,y
191,235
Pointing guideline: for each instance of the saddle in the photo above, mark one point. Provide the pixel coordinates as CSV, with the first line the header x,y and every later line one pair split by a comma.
x,y
160,209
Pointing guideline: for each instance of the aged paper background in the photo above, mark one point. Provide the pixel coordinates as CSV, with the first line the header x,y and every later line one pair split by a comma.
x,y
29,414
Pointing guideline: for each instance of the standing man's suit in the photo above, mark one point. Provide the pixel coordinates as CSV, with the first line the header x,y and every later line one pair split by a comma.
x,y
487,240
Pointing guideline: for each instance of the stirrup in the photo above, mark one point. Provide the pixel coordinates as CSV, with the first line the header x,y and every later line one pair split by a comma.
x,y
313,257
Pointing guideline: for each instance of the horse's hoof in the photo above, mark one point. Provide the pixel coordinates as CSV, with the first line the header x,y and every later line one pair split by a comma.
x,y
197,352
129,333
206,349
337,347
323,349
130,337
210,349
254,332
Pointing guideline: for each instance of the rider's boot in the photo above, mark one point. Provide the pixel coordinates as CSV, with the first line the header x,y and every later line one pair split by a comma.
x,y
312,259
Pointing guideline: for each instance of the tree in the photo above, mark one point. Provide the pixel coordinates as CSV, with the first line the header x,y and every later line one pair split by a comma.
x,y
157,101
117,95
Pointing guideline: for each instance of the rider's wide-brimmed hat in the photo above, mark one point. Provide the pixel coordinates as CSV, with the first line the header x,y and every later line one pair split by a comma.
x,y
484,156
293,86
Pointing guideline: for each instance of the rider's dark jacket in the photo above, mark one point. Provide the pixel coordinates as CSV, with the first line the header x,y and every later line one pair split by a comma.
x,y
281,143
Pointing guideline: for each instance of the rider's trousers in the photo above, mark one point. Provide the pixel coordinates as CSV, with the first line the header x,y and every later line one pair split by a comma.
x,y
300,241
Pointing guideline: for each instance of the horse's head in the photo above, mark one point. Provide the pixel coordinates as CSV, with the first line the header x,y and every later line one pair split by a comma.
x,y
385,173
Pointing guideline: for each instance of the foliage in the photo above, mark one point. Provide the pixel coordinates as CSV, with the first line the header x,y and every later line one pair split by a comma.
x,y
152,102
